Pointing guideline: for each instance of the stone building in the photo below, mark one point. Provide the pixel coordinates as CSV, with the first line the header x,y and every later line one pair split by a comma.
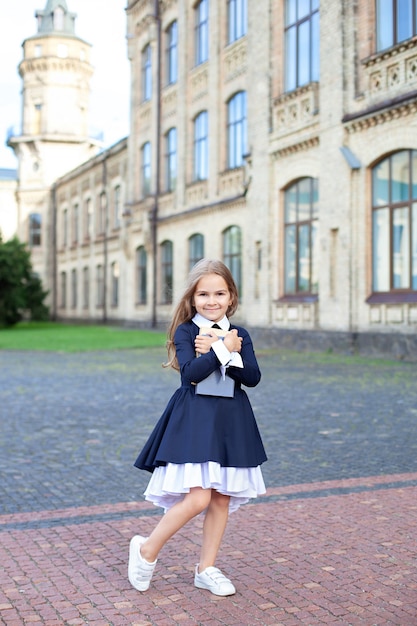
x,y
280,136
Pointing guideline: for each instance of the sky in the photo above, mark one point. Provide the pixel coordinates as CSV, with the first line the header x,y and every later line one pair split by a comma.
x,y
101,23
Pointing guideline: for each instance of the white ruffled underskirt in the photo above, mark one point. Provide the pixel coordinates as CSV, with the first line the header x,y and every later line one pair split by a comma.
x,y
169,483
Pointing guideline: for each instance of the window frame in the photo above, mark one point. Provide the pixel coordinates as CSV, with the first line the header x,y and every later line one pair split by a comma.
x,y
141,275
236,130
298,226
35,230
383,16
195,249
171,158
201,166
167,271
146,166
201,32
237,20
232,253
172,53
147,73
295,27
393,205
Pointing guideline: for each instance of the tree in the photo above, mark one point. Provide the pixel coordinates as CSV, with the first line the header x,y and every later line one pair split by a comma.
x,y
21,292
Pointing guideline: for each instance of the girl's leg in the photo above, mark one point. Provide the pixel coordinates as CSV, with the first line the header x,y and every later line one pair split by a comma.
x,y
213,529
175,518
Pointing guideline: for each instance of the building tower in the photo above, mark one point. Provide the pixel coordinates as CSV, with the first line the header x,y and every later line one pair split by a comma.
x,y
56,74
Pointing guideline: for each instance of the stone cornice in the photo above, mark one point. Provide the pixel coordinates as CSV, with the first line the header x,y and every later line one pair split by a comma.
x,y
306,144
382,113
409,44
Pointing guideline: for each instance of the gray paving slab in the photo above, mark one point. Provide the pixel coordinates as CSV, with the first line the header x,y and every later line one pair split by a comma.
x,y
72,424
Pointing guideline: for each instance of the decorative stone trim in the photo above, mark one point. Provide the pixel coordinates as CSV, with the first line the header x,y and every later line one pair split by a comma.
x,y
196,193
296,109
169,101
296,315
377,58
199,82
306,144
381,117
231,182
235,59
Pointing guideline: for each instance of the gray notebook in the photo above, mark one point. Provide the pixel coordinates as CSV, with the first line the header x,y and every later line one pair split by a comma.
x,y
215,385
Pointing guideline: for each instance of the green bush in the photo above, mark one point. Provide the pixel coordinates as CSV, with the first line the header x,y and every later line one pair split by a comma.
x,y
21,292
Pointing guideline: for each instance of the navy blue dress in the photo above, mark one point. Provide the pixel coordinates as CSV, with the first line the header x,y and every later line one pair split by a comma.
x,y
196,428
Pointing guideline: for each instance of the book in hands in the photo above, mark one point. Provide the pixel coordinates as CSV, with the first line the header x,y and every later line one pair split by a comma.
x,y
215,384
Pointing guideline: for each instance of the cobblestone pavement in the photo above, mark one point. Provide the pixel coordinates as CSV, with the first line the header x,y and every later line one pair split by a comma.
x,y
333,542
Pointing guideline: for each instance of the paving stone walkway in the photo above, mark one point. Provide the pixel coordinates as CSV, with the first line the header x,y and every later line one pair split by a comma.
x,y
333,542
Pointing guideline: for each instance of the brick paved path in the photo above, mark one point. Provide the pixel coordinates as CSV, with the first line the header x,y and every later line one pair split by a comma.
x,y
332,543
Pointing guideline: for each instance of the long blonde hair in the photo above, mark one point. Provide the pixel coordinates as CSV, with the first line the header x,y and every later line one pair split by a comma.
x,y
185,309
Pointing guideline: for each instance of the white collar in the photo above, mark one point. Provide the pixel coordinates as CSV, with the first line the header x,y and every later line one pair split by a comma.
x,y
201,321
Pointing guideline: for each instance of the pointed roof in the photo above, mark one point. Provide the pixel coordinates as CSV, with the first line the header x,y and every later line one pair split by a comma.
x,y
56,18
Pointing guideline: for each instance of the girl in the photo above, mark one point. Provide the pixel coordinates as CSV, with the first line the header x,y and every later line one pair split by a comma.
x,y
205,451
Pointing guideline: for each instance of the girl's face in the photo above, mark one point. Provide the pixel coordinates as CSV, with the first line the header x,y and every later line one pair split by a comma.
x,y
212,297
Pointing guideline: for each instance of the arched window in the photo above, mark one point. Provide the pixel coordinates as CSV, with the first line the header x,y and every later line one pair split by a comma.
x,y
302,41
63,286
99,286
232,254
236,129
195,249
86,287
141,275
201,146
301,241
394,223
167,272
74,289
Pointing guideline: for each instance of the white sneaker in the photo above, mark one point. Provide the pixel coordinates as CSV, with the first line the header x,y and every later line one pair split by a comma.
x,y
213,580
139,571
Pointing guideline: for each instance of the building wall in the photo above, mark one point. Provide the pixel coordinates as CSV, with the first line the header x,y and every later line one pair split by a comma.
x,y
333,129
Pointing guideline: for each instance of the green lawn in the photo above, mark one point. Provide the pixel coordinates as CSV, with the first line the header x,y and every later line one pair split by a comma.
x,y
57,337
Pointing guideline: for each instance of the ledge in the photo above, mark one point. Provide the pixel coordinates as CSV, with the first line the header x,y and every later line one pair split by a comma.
x,y
392,297
309,298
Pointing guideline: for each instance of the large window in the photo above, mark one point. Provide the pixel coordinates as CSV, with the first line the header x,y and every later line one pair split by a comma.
x,y
167,272
35,224
236,130
147,73
115,275
171,159
116,206
301,241
146,169
99,286
86,287
201,32
394,223
201,146
88,219
65,228
141,275
396,20
301,42
74,289
102,213
63,289
195,249
172,53
232,254
237,14
75,223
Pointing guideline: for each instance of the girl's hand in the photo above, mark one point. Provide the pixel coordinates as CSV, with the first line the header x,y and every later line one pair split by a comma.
x,y
203,342
232,341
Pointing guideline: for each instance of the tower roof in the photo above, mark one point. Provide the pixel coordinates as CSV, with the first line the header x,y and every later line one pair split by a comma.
x,y
56,18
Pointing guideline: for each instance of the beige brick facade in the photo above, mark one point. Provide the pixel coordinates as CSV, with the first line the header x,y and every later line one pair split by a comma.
x,y
333,129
